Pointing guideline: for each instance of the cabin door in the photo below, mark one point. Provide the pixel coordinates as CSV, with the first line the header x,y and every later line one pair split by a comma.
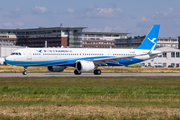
x,y
29,55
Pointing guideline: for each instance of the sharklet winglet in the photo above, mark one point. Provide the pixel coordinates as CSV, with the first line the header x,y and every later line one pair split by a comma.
x,y
150,52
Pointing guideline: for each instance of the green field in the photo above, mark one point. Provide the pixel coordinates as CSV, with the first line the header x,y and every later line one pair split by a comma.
x,y
90,98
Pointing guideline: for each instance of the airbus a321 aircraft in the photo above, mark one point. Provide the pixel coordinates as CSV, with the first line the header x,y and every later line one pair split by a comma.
x,y
83,59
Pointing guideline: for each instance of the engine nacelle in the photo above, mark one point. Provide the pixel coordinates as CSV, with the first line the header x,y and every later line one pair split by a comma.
x,y
85,66
56,68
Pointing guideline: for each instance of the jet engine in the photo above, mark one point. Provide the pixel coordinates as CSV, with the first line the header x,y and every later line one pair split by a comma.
x,y
56,68
85,66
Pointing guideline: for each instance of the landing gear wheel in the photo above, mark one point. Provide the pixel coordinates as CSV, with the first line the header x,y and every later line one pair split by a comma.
x,y
97,72
77,72
25,71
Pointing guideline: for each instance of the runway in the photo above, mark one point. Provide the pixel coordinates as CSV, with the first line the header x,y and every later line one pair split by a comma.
x,y
85,74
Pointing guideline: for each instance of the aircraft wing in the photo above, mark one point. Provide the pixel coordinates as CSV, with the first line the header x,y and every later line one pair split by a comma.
x,y
112,59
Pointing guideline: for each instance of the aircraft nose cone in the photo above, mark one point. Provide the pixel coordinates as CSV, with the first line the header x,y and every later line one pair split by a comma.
x,y
8,59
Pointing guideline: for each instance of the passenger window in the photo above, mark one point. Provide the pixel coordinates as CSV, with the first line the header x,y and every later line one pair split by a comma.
x,y
19,53
16,53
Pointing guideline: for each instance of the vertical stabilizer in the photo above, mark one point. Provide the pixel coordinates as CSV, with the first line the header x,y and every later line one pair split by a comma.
x,y
150,39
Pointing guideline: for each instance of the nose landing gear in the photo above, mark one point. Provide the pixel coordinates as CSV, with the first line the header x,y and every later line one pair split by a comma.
x,y
25,70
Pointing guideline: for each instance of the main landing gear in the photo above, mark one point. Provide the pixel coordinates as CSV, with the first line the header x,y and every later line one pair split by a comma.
x,y
77,72
97,72
25,70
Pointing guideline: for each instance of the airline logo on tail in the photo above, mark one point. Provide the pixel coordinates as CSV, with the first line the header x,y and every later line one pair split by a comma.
x,y
152,40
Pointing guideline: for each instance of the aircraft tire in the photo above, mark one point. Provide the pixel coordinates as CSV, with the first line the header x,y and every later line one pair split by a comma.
x,y
97,72
24,73
77,72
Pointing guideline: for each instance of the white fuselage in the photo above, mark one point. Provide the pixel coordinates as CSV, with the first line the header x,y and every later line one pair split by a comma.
x,y
68,56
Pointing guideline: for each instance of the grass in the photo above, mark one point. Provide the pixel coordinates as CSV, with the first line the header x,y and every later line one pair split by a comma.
x,y
88,112
90,98
131,69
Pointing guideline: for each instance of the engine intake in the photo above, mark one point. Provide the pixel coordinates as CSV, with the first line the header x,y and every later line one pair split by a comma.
x,y
56,68
85,66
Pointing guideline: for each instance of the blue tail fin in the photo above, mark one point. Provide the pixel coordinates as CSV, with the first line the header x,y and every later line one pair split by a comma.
x,y
150,39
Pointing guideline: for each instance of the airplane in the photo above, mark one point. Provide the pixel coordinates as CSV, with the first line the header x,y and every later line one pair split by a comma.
x,y
84,59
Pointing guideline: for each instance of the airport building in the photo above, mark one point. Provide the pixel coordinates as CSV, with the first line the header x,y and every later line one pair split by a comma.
x,y
169,58
102,39
55,37
130,42
135,42
74,37
167,42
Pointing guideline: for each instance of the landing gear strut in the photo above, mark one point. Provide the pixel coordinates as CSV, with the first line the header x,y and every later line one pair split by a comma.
x,y
97,72
25,70
77,72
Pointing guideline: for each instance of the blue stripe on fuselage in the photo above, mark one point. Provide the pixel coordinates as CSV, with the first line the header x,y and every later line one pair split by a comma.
x,y
71,62
52,62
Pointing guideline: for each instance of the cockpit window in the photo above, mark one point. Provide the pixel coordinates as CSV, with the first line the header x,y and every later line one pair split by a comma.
x,y
15,53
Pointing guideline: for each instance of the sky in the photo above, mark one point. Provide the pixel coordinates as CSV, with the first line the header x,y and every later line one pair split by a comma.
x,y
127,16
